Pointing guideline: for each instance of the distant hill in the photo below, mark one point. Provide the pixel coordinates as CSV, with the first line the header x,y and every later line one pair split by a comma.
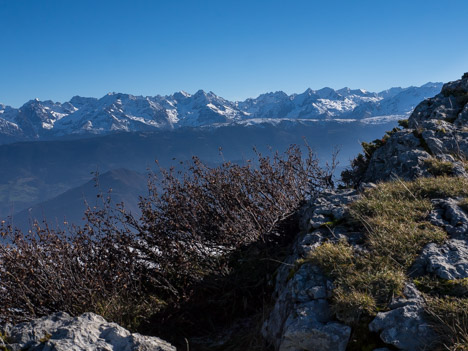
x,y
125,185
33,172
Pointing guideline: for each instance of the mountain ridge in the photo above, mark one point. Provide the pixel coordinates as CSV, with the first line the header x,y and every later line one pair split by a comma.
x,y
117,112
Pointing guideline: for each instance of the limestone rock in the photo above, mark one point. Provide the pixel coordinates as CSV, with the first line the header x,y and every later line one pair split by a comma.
x,y
448,261
401,156
403,327
437,129
445,140
61,332
331,206
448,105
304,332
301,318
448,214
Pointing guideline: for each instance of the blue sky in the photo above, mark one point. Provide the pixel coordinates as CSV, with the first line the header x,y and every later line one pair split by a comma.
x,y
54,49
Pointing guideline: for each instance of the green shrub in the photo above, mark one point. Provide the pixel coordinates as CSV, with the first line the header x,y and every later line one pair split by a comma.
x,y
354,175
370,148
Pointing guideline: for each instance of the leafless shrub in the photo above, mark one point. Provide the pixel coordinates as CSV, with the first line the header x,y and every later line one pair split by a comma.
x,y
191,221
45,271
125,267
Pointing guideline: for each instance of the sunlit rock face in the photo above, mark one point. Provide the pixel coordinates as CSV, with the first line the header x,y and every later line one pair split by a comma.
x,y
89,331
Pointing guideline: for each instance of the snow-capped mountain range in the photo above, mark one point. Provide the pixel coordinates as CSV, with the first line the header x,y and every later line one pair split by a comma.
x,y
124,112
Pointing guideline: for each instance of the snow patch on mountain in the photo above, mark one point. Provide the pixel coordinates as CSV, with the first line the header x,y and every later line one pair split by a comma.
x,y
124,112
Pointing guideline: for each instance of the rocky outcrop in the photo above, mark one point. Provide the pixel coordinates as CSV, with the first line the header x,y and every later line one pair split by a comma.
x,y
61,332
435,143
438,130
301,318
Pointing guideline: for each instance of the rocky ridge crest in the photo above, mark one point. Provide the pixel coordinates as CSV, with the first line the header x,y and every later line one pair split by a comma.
x,y
434,143
437,133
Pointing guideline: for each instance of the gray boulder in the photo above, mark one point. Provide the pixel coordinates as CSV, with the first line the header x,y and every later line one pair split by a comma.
x,y
402,156
61,332
437,129
448,215
404,326
301,318
331,206
448,261
305,331
445,140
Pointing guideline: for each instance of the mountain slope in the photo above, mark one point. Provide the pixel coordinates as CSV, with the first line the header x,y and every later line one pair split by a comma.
x,y
125,186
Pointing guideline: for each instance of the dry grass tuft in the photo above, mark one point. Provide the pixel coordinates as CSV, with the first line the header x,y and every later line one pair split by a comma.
x,y
449,317
394,219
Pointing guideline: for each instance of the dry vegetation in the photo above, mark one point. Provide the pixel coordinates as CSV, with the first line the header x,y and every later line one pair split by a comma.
x,y
206,236
45,271
209,241
393,217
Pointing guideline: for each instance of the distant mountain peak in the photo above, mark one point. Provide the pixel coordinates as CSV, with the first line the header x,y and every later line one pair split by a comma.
x,y
125,112
199,93
431,84
184,93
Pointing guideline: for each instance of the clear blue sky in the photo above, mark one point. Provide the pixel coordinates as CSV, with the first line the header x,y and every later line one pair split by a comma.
x,y
54,49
